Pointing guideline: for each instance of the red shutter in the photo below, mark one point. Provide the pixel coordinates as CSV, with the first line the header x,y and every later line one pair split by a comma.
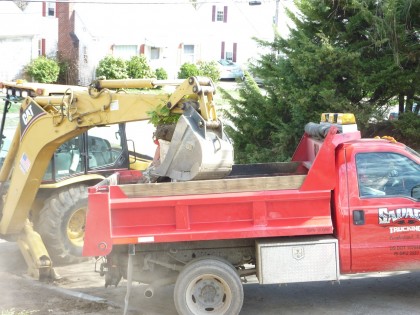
x,y
213,14
43,47
225,14
235,47
142,49
222,55
44,9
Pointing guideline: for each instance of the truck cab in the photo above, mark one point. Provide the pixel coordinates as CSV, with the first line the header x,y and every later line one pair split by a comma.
x,y
377,206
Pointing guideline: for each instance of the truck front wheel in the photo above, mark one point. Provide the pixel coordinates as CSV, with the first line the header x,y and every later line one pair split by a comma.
x,y
208,286
61,224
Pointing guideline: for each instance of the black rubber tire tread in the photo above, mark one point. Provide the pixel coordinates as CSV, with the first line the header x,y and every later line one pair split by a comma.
x,y
52,224
204,266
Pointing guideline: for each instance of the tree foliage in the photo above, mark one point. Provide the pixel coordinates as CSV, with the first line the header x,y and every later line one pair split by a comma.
x,y
162,115
252,126
209,69
202,68
161,74
355,56
112,68
138,68
43,70
187,70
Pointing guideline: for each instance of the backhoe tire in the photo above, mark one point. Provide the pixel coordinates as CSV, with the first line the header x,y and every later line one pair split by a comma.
x,y
61,224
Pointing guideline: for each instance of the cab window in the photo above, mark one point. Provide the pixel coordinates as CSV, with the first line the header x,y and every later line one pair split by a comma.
x,y
104,146
386,174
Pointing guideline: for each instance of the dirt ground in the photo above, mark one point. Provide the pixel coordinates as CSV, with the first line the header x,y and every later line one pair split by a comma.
x,y
19,293
81,291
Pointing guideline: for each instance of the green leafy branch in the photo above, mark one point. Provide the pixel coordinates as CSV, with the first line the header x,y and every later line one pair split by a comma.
x,y
162,115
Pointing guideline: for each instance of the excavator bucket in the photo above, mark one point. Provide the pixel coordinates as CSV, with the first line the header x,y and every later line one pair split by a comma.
x,y
198,150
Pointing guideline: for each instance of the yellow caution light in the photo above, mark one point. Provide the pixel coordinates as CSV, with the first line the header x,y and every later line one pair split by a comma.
x,y
338,118
389,138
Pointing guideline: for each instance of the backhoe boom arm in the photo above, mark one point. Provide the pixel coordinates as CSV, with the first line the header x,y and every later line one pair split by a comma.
x,y
46,122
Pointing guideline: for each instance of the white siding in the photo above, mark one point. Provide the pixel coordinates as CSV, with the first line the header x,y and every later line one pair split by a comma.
x,y
15,53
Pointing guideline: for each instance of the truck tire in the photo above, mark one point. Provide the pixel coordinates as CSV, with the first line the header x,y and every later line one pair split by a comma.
x,y
208,286
61,224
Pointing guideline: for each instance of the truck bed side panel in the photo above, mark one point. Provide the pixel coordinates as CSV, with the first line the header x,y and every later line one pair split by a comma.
x,y
205,217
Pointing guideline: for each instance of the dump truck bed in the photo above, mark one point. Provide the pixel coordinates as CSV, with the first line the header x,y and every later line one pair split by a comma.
x,y
254,201
231,208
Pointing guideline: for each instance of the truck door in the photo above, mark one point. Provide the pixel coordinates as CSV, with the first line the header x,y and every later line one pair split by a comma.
x,y
385,217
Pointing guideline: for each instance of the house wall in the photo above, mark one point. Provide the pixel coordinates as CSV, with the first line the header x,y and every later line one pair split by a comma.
x,y
25,34
171,28
91,50
16,52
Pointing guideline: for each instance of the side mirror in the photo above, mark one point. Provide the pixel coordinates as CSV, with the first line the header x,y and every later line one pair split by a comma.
x,y
415,192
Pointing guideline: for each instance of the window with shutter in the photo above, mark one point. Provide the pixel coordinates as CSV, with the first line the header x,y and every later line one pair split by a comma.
x,y
219,14
51,8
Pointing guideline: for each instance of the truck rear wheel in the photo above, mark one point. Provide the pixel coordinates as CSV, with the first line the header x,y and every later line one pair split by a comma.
x,y
208,286
61,224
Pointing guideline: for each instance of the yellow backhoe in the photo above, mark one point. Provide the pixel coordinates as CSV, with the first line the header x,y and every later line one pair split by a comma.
x,y
198,149
78,163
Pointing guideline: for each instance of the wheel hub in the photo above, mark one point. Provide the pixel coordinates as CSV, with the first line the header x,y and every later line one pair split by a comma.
x,y
209,293
76,227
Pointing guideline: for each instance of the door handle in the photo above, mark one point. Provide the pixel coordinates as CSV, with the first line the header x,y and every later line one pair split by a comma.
x,y
358,217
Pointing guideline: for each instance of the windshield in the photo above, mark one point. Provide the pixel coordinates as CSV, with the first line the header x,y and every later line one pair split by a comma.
x,y
413,152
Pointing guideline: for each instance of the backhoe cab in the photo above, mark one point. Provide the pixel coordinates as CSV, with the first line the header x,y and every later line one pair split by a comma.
x,y
199,149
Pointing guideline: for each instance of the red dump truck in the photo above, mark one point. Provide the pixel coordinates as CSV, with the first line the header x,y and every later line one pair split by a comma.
x,y
342,205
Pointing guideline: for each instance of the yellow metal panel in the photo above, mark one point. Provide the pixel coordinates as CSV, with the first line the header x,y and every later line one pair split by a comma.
x,y
74,180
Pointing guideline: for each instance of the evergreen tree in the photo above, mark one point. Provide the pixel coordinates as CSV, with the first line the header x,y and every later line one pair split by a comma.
x,y
342,56
252,124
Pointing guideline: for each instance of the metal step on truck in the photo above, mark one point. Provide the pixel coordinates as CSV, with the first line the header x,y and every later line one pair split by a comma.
x,y
342,205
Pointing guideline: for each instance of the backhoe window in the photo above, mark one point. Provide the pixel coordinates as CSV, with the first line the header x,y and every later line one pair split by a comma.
x,y
67,160
104,146
386,174
99,149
